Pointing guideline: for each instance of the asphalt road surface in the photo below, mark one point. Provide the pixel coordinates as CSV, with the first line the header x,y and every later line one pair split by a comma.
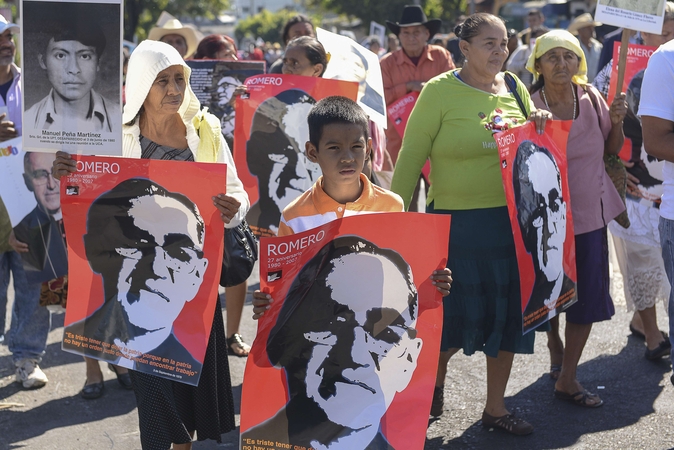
x,y
638,412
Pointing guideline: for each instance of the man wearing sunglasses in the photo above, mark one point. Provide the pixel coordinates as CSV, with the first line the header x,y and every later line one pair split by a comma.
x,y
541,213
346,341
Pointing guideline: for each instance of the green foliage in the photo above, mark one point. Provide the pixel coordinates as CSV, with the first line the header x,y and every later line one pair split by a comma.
x,y
380,11
267,25
141,15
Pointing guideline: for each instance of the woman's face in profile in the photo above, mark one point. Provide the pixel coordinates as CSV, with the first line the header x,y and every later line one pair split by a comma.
x,y
488,50
167,91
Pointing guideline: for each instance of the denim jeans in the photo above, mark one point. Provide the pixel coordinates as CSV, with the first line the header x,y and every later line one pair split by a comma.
x,y
666,228
30,325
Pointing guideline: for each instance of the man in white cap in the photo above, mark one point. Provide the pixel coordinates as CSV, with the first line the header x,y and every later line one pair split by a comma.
x,y
27,339
583,27
174,33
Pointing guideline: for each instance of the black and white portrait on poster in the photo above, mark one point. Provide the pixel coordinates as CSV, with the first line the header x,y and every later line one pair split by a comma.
x,y
31,196
541,213
641,15
214,83
346,338
72,76
147,243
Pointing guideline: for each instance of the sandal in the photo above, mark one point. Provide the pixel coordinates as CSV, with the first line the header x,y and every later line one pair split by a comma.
x,y
509,423
92,391
438,404
663,349
236,346
555,370
638,334
580,398
124,379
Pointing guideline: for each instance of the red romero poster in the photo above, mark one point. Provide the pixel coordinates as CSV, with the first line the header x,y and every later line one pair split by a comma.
x,y
147,250
637,60
269,139
400,110
346,357
534,171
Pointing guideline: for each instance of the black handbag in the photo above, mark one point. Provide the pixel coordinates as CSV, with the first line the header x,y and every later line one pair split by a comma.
x,y
240,254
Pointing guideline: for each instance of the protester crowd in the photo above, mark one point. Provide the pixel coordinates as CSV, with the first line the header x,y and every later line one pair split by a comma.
x,y
558,75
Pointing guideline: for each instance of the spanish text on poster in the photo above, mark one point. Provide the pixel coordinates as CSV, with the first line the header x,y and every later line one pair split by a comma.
x,y
147,250
400,110
637,60
214,83
534,171
72,76
642,15
270,136
346,356
351,61
31,196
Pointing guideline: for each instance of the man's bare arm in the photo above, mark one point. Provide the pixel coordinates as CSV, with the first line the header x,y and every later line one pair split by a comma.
x,y
658,137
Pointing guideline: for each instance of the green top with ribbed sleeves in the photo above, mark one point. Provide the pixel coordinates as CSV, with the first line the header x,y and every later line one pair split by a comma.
x,y
452,125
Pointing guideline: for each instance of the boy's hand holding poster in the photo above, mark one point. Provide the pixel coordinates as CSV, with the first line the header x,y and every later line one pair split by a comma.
x,y
270,136
146,246
346,356
534,174
31,196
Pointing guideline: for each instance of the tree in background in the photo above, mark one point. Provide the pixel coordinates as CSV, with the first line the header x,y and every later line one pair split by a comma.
x,y
141,15
381,11
267,25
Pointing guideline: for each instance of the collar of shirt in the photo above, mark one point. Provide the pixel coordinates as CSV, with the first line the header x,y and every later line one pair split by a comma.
x,y
96,114
402,58
325,204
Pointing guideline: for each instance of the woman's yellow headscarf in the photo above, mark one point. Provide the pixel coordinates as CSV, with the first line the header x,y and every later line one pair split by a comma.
x,y
559,38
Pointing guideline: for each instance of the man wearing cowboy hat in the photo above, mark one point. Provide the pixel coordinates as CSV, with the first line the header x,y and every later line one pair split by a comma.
x,y
412,65
181,37
583,27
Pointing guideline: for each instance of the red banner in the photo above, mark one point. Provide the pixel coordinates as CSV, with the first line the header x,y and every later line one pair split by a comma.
x,y
637,60
347,354
146,247
400,110
269,139
534,171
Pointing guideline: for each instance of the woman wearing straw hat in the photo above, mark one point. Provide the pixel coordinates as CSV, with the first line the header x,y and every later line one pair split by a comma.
x,y
559,65
583,27
182,38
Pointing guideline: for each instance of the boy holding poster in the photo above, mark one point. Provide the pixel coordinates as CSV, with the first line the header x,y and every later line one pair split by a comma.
x,y
339,143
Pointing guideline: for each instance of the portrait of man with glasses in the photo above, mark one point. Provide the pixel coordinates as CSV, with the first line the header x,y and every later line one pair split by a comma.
x,y
41,230
541,213
346,341
147,245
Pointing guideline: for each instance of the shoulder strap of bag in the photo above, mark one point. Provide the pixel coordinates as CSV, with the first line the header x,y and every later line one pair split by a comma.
x,y
512,86
590,94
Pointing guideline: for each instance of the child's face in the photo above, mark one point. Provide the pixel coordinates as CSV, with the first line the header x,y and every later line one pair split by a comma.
x,y
341,154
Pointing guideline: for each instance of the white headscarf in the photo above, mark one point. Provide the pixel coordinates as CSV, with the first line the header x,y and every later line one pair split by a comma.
x,y
147,60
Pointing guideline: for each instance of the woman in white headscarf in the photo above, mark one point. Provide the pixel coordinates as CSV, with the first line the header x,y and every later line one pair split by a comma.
x,y
163,120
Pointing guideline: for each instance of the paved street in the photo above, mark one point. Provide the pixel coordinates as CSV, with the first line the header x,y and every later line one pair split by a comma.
x,y
638,411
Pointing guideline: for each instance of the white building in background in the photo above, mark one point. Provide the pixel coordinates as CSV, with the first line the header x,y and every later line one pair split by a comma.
x,y
245,8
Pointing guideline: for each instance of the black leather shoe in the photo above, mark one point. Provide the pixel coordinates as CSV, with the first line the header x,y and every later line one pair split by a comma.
x,y
658,352
92,391
124,379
